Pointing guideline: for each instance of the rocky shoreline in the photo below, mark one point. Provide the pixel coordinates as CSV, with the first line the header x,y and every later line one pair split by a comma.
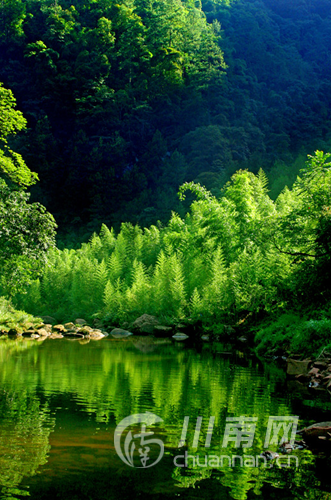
x,y
80,329
313,374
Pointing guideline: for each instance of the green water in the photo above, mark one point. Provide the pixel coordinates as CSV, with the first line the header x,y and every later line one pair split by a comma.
x,y
61,400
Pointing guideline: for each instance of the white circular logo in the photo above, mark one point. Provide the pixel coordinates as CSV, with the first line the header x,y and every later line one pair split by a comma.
x,y
138,445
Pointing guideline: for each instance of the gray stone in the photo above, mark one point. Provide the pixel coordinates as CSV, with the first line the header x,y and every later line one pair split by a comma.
x,y
145,324
118,333
180,336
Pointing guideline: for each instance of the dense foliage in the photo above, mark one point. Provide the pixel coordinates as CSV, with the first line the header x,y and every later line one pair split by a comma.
x,y
127,100
230,258
27,230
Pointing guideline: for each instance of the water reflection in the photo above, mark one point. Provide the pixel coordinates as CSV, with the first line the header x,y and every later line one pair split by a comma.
x,y
60,402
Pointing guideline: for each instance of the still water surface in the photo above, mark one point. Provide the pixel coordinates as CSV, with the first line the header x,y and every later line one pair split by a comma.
x,y
61,400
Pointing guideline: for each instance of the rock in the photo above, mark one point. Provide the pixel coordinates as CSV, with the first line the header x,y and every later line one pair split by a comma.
x,y
205,338
162,330
314,372
85,330
80,321
295,367
180,336
269,455
56,336
34,336
28,327
59,328
243,340
289,447
315,384
95,335
48,319
145,324
326,380
70,326
314,431
42,332
119,333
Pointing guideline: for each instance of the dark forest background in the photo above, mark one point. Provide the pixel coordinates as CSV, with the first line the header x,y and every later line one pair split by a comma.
x,y
127,100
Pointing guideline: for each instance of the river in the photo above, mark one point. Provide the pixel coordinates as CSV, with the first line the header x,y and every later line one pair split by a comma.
x,y
61,402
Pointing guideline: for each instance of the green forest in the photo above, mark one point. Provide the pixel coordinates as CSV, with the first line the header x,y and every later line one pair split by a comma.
x,y
168,158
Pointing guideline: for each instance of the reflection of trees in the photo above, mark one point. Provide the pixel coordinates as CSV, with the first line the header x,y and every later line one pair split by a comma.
x,y
115,379
25,426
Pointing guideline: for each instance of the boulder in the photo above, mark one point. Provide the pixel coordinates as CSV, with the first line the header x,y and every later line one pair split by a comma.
x,y
296,367
317,430
42,332
180,336
69,326
145,324
47,327
56,336
119,333
85,330
59,328
95,335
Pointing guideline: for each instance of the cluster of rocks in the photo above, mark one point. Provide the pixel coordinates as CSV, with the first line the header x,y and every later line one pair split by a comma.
x,y
150,325
77,330
313,374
